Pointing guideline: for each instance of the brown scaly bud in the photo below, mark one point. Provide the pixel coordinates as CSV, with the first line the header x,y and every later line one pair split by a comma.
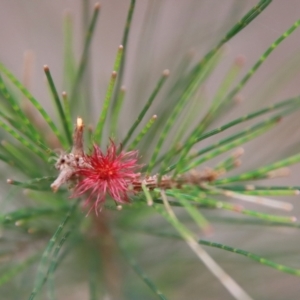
x,y
168,182
67,163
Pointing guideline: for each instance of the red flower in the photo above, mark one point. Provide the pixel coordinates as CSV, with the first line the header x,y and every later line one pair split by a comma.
x,y
109,173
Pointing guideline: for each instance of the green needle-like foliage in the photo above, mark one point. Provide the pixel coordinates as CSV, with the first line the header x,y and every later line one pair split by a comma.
x,y
58,104
128,202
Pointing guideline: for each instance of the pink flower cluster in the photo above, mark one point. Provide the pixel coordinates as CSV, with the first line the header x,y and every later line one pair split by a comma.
x,y
101,174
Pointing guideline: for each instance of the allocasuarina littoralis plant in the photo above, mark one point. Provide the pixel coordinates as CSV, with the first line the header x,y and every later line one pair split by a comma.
x,y
115,173
167,186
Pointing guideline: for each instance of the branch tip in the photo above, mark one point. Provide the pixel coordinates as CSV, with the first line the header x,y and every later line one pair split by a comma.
x,y
54,187
166,72
97,6
293,219
79,123
238,152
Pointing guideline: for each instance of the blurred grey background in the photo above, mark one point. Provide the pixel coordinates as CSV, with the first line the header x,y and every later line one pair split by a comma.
x,y
179,27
